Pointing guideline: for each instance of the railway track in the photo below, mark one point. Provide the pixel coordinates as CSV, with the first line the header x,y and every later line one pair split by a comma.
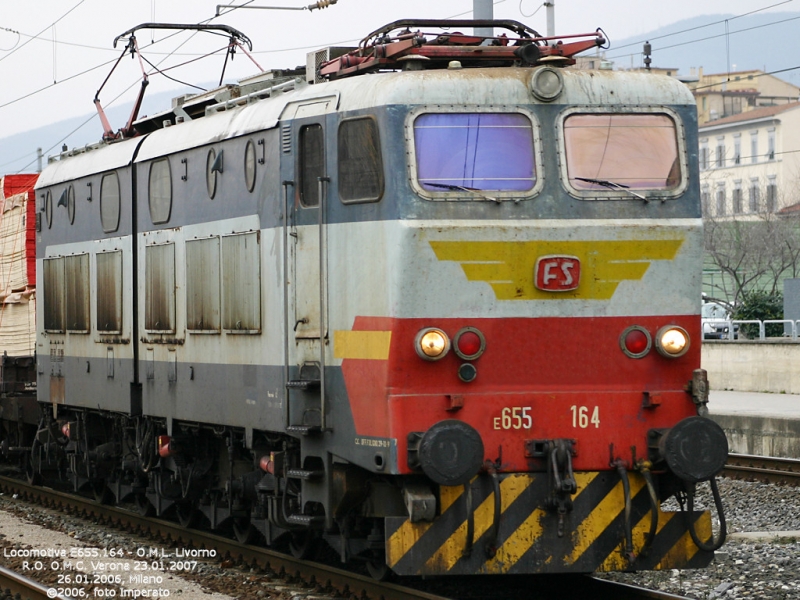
x,y
347,584
763,468
344,582
12,583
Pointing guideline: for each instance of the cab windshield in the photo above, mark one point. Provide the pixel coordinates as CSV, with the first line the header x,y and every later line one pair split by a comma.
x,y
474,151
615,152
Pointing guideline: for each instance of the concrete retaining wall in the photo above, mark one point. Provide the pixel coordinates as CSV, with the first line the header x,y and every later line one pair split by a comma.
x,y
750,366
761,436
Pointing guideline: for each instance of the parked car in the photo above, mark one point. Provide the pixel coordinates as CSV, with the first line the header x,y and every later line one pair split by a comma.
x,y
716,322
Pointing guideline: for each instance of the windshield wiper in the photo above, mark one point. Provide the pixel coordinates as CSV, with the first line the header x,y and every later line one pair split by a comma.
x,y
456,188
613,185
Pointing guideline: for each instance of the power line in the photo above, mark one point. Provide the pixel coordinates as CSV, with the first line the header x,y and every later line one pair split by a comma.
x,y
42,31
711,37
710,85
666,35
114,99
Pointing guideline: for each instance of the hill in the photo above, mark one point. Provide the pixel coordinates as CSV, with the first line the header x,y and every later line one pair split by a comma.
x,y
765,41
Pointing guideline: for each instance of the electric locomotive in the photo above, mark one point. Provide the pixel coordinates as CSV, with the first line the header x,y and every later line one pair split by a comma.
x,y
435,303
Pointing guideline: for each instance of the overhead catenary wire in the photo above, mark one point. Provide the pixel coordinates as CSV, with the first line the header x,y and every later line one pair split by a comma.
x,y
19,47
666,35
93,116
704,39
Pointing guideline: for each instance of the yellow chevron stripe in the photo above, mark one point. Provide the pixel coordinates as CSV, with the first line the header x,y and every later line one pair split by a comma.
x,y
372,345
684,549
516,545
603,514
508,267
448,495
404,539
615,561
452,549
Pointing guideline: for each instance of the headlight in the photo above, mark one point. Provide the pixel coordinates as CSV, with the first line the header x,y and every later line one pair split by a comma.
x,y
672,341
431,344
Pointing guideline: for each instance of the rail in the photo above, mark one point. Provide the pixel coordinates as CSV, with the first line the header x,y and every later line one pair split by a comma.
x,y
763,468
19,586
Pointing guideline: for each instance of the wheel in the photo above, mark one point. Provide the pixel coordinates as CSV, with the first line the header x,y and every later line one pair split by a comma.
x,y
244,532
302,544
33,476
33,464
102,494
378,569
187,515
144,507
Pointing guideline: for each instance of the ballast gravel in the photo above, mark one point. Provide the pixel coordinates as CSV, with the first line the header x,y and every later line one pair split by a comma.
x,y
761,559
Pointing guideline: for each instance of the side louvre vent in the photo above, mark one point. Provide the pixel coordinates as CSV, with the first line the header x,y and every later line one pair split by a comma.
x,y
286,138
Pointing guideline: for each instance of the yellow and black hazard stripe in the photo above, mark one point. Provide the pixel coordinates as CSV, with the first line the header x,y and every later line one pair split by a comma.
x,y
527,537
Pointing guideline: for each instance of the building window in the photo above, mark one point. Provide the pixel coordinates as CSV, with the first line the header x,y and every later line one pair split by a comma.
x,y
737,197
703,156
753,195
772,195
720,199
360,163
705,199
771,144
109,292
720,153
754,147
160,191
109,202
737,150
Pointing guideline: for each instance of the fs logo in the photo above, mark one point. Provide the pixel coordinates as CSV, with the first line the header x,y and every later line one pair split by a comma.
x,y
557,273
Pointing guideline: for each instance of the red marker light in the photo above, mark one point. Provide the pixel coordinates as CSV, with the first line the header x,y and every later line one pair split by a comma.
x,y
469,343
635,341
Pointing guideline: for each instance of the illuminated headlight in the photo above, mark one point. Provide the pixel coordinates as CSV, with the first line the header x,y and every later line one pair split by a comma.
x,y
672,341
431,344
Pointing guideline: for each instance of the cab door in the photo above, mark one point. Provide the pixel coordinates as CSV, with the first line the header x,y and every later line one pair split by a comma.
x,y
309,235
306,294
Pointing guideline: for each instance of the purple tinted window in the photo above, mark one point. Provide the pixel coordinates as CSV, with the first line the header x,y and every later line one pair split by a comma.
x,y
481,151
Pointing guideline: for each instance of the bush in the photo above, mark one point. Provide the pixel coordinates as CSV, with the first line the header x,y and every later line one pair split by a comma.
x,y
762,306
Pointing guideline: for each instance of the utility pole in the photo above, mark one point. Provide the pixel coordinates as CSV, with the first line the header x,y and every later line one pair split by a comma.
x,y
38,160
483,10
551,17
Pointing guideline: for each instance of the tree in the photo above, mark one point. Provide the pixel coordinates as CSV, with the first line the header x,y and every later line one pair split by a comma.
x,y
762,306
753,255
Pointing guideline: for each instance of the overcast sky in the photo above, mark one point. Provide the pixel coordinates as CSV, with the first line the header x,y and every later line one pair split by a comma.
x,y
47,41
